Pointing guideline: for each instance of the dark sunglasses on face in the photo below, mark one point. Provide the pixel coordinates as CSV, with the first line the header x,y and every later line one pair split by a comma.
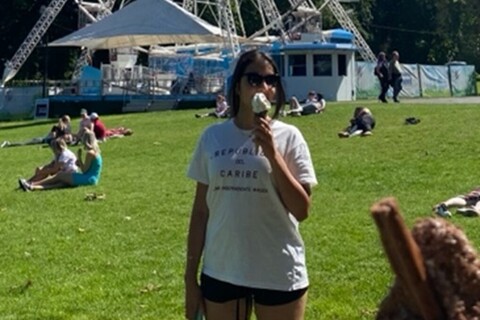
x,y
255,79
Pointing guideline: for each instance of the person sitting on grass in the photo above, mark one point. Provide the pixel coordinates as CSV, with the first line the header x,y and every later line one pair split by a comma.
x,y
85,123
362,124
221,109
467,205
99,127
60,130
315,103
91,169
64,160
102,133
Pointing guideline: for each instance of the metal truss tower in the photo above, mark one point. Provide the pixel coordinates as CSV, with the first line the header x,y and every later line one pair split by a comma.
x,y
31,41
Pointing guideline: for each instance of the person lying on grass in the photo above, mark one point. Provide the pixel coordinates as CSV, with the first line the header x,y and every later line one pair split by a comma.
x,y
90,169
102,133
60,130
362,124
314,104
467,205
221,109
63,160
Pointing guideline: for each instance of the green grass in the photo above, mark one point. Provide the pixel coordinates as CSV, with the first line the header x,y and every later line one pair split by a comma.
x,y
123,257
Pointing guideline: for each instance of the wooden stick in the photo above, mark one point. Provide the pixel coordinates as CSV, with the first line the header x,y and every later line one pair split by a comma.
x,y
405,258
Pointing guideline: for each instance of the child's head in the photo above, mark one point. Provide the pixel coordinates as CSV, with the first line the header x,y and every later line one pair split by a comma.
x,y
65,119
254,72
58,145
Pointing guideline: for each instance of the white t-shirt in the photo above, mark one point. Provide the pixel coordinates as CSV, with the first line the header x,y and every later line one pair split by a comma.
x,y
67,159
251,239
85,123
221,108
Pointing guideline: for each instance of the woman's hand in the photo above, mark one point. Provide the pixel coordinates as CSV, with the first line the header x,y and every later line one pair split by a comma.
x,y
262,136
193,300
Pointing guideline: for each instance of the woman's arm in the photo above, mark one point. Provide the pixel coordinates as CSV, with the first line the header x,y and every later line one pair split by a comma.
x,y
195,243
295,196
196,232
85,165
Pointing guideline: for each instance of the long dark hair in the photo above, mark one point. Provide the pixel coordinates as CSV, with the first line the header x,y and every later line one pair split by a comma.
x,y
247,58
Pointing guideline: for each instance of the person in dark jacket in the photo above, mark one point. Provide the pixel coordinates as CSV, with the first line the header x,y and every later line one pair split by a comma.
x,y
381,72
362,124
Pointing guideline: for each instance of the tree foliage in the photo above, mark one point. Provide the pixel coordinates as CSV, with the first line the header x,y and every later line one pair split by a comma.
x,y
423,31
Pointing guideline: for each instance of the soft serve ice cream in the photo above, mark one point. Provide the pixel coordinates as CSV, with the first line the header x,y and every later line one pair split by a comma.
x,y
260,106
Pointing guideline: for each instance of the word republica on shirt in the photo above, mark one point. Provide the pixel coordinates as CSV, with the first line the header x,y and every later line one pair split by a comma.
x,y
237,151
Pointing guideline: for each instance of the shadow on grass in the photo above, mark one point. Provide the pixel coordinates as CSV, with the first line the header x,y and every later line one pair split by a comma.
x,y
28,124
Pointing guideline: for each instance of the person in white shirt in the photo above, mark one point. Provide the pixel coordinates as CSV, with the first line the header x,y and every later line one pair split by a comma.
x,y
221,109
248,205
85,124
395,75
63,160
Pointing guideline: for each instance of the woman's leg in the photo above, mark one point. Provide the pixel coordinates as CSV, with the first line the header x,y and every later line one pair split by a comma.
x,y
43,173
295,106
60,180
455,202
231,310
397,87
38,140
441,209
294,310
383,90
38,176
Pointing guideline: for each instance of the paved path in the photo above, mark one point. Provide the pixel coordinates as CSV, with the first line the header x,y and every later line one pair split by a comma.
x,y
449,100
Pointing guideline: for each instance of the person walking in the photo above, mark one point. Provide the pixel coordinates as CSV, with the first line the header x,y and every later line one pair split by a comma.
x,y
395,72
381,72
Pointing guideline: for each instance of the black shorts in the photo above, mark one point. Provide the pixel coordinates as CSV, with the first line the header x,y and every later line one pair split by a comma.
x,y
220,292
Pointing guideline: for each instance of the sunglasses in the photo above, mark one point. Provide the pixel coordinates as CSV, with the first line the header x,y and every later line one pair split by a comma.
x,y
255,79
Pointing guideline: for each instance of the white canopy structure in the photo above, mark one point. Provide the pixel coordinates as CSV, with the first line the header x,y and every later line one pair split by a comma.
x,y
143,23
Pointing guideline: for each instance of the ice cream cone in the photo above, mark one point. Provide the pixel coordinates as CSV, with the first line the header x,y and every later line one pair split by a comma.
x,y
260,107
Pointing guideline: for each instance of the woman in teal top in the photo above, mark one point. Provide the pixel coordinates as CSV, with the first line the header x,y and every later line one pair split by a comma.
x,y
91,169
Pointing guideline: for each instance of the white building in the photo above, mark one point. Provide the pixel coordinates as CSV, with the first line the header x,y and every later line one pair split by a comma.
x,y
328,67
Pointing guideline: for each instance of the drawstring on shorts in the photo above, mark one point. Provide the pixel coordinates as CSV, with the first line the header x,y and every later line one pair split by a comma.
x,y
247,306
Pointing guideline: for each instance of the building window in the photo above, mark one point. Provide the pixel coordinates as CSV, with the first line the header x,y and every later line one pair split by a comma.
x,y
297,65
322,65
342,65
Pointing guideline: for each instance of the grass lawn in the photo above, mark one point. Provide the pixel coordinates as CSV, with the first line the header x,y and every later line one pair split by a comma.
x,y
122,257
